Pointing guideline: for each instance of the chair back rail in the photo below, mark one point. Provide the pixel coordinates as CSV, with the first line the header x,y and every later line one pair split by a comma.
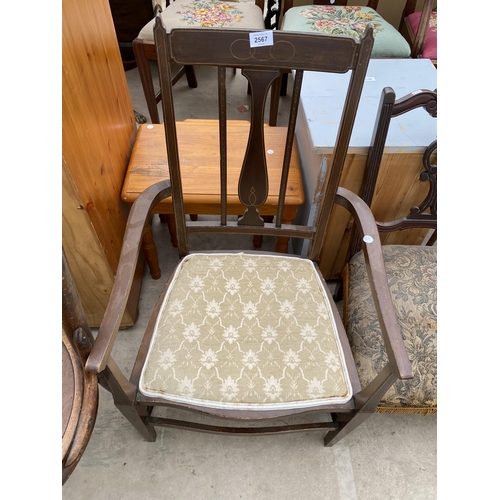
x,y
261,66
424,215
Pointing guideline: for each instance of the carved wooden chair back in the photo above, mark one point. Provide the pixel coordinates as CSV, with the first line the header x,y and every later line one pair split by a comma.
x,y
424,215
261,66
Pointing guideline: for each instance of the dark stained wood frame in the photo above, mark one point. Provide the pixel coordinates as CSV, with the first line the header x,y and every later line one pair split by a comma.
x,y
230,48
425,215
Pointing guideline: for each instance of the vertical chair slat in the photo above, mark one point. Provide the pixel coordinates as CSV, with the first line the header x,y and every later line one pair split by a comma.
x,y
221,71
294,107
163,46
336,163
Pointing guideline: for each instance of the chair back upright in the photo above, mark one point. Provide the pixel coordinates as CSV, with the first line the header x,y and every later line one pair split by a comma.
x,y
425,214
261,65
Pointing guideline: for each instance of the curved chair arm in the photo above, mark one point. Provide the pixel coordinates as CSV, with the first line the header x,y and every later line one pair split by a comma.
x,y
372,249
139,214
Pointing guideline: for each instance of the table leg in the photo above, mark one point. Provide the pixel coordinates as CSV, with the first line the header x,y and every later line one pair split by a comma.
x,y
149,249
257,239
282,242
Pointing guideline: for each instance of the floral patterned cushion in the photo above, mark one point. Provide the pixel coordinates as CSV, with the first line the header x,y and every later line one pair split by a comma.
x,y
350,21
411,272
207,13
246,331
429,50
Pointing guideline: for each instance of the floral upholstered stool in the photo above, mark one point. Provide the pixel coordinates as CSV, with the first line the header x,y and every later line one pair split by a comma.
x,y
350,21
411,272
246,331
189,14
207,14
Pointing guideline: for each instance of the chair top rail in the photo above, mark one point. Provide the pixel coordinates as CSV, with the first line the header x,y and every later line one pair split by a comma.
x,y
290,50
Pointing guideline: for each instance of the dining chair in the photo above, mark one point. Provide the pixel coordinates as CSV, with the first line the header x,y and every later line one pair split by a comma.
x,y
250,336
335,17
411,271
189,13
421,29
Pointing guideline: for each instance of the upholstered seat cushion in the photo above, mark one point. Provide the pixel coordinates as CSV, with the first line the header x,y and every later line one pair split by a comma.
x,y
350,21
207,13
411,273
429,50
246,331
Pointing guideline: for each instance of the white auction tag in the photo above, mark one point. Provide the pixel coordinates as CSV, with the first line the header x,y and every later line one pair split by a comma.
x,y
261,39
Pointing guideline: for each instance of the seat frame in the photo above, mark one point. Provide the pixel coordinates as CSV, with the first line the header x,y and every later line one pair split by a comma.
x,y
261,66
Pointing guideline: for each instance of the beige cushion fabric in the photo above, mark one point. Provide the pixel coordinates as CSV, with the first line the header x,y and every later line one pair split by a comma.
x,y
412,277
207,13
246,331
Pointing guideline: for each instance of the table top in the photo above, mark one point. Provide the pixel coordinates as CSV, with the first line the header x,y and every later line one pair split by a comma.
x,y
323,96
200,162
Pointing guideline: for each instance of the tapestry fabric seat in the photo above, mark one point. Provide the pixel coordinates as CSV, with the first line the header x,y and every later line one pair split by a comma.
x,y
207,13
246,331
350,21
412,277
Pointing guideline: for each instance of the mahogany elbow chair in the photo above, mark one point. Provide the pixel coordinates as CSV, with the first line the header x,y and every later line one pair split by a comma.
x,y
250,336
411,271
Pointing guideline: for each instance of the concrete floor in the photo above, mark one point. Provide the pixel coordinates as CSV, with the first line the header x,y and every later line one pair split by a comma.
x,y
387,457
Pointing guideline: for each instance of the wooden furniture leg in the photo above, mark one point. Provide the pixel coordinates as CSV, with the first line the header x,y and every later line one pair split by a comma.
x,y
258,238
150,253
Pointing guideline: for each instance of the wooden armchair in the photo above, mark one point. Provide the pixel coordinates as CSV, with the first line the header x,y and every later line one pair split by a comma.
x,y
189,13
411,271
250,336
420,29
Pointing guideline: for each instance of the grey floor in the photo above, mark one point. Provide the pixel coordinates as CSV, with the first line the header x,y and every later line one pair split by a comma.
x,y
387,457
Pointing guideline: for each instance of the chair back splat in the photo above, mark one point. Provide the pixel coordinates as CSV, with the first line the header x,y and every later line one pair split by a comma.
x,y
261,66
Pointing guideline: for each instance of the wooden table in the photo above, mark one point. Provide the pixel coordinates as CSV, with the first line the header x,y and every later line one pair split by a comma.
x,y
398,186
199,158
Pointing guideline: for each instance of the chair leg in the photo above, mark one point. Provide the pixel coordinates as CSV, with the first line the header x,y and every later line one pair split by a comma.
x,y
275,100
123,396
367,401
284,84
258,238
191,77
136,415
146,79
150,253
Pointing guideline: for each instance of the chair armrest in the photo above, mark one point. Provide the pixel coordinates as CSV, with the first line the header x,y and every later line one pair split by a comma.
x,y
372,249
137,219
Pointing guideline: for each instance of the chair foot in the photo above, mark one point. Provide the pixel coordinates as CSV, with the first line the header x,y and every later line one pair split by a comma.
x,y
136,415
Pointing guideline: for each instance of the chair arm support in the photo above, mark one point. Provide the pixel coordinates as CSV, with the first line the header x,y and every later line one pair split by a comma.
x,y
137,219
365,222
